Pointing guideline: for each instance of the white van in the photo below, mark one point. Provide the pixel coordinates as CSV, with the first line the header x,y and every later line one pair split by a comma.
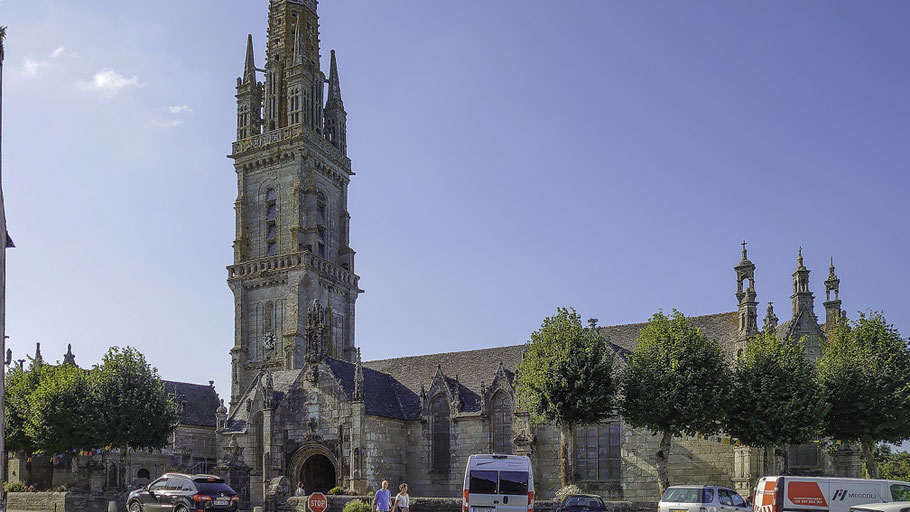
x,y
498,483
818,494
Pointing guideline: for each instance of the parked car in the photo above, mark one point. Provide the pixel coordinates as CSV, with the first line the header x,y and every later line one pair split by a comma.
x,y
823,494
177,492
894,506
497,482
702,498
581,503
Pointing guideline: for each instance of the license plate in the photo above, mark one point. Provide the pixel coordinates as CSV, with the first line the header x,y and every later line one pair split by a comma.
x,y
679,510
482,509
221,503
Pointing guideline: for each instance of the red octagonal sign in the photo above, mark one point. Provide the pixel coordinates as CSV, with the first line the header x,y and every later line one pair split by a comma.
x,y
318,502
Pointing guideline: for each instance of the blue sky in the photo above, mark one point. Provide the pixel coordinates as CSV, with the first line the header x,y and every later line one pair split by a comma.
x,y
511,157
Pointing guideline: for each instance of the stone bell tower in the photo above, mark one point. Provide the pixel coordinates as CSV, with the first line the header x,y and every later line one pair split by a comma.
x,y
292,243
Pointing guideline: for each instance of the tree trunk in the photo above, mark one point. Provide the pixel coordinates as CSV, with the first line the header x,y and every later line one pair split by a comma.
x,y
121,471
663,457
785,451
868,448
567,454
770,462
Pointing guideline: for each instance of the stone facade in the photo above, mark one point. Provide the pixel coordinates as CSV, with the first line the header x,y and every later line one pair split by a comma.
x,y
304,407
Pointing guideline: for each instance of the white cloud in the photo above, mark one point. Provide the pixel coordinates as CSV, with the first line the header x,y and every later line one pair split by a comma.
x,y
61,52
110,82
167,124
31,67
180,109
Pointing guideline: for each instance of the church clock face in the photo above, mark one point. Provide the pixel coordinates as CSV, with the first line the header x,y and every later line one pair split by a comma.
x,y
268,341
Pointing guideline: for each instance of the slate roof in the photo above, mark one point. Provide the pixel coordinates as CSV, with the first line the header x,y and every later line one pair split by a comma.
x,y
382,395
474,366
201,402
282,382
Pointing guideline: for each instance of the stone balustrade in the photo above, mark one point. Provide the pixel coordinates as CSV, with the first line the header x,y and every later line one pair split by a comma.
x,y
253,268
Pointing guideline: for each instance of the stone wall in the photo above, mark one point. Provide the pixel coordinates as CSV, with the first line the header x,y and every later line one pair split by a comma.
x,y
337,503
384,452
62,502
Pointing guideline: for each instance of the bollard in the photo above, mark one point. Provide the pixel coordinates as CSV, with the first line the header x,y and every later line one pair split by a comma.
x,y
112,506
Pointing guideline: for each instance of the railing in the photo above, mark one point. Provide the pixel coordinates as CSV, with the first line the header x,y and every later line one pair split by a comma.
x,y
262,140
259,266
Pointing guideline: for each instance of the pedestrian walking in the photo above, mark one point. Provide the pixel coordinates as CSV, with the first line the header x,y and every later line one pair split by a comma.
x,y
382,500
402,500
299,491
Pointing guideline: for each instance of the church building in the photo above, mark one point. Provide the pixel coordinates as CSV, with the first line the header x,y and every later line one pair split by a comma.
x,y
304,407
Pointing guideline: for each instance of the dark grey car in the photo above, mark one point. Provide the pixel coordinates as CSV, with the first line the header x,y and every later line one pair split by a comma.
x,y
177,492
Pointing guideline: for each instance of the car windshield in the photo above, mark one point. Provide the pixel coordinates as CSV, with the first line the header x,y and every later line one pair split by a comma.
x,y
214,488
683,495
586,502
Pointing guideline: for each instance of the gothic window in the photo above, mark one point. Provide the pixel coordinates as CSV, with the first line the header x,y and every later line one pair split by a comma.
x,y
271,222
269,317
501,420
439,432
597,455
320,207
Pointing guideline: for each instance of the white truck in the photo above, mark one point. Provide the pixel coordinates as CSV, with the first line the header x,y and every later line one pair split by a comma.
x,y
820,494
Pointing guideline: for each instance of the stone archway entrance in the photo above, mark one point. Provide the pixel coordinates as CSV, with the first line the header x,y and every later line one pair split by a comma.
x,y
317,474
315,466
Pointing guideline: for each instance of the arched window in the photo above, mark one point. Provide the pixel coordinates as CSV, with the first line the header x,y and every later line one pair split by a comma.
x,y
439,432
271,222
502,423
269,317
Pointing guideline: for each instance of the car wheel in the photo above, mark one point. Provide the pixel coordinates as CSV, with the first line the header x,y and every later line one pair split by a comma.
x,y
135,507
180,508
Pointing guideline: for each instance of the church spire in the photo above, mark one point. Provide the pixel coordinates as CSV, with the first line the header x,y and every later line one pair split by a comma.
x,y
335,116
803,300
748,307
833,311
249,65
770,318
249,96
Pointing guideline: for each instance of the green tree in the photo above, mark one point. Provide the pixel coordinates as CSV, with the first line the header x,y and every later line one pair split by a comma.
x,y
135,411
566,377
675,383
20,383
776,397
865,373
61,410
895,466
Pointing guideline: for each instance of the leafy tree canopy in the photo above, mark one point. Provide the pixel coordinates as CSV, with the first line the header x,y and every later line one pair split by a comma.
x,y
137,411
865,372
61,410
676,380
776,397
567,373
19,385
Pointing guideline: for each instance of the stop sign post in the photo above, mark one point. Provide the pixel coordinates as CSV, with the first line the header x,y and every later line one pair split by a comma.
x,y
317,502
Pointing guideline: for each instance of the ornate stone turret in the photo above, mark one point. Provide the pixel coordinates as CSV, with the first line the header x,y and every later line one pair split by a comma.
x,y
358,379
833,312
748,307
803,300
770,319
38,359
249,97
69,357
336,118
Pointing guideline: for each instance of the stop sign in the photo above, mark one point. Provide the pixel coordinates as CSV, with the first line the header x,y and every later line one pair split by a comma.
x,y
317,502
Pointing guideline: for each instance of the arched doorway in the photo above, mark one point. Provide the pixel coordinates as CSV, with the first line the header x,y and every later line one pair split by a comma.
x,y
317,474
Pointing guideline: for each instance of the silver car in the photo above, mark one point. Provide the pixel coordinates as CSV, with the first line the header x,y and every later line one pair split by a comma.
x,y
702,498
